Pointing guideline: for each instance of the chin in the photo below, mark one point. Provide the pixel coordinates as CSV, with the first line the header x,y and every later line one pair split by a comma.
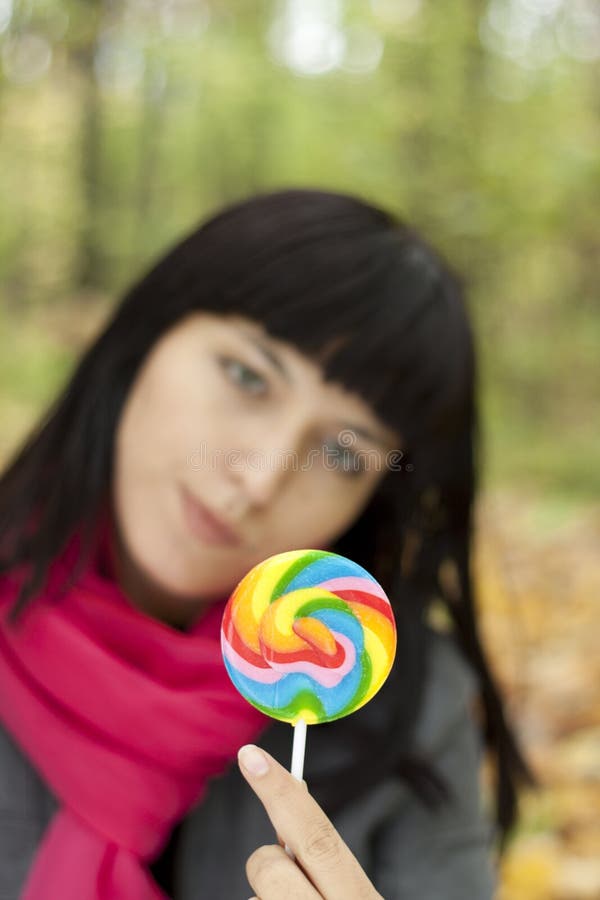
x,y
184,584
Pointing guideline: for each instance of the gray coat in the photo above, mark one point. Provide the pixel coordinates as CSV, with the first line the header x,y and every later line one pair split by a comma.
x,y
409,852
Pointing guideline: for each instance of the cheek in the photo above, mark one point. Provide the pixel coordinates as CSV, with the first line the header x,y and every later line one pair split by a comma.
x,y
145,444
314,518
167,416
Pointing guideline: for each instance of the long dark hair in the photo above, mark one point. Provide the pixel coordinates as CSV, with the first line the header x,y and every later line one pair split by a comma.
x,y
310,266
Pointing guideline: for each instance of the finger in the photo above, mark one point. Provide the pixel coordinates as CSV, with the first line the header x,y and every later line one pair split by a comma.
x,y
279,838
273,875
304,827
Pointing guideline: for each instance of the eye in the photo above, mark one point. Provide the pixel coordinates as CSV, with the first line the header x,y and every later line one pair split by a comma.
x,y
342,459
249,380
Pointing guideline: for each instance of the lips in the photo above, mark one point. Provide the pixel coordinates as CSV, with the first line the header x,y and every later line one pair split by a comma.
x,y
204,524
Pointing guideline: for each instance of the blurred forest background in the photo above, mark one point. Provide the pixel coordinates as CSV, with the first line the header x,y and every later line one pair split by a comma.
x,y
124,122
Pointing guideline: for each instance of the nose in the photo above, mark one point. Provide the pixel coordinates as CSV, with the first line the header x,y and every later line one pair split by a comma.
x,y
268,462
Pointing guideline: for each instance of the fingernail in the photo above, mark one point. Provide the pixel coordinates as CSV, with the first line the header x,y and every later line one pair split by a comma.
x,y
253,760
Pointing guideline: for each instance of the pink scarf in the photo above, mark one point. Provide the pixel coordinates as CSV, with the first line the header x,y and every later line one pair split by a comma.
x,y
124,717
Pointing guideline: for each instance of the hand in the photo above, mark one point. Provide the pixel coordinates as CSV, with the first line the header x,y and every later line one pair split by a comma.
x,y
324,866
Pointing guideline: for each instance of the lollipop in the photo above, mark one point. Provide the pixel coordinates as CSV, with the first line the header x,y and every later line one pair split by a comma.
x,y
308,636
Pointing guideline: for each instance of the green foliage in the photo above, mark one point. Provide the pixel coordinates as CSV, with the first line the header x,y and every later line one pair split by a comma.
x,y
149,116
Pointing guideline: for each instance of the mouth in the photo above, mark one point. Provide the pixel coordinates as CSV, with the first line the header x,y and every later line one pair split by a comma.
x,y
206,525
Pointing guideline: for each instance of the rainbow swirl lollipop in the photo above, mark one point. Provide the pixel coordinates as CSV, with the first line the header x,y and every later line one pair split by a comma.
x,y
308,635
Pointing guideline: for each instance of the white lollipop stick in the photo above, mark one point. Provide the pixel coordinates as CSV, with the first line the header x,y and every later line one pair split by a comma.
x,y
297,767
298,746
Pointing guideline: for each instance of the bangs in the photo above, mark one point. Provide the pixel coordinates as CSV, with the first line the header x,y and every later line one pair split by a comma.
x,y
371,304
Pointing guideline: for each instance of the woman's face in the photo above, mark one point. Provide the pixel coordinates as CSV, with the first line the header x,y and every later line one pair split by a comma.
x,y
224,416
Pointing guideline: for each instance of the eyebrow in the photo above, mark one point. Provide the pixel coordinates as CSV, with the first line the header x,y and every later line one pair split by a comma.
x,y
270,355
275,361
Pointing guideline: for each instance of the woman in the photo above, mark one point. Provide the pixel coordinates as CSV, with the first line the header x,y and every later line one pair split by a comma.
x,y
298,372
